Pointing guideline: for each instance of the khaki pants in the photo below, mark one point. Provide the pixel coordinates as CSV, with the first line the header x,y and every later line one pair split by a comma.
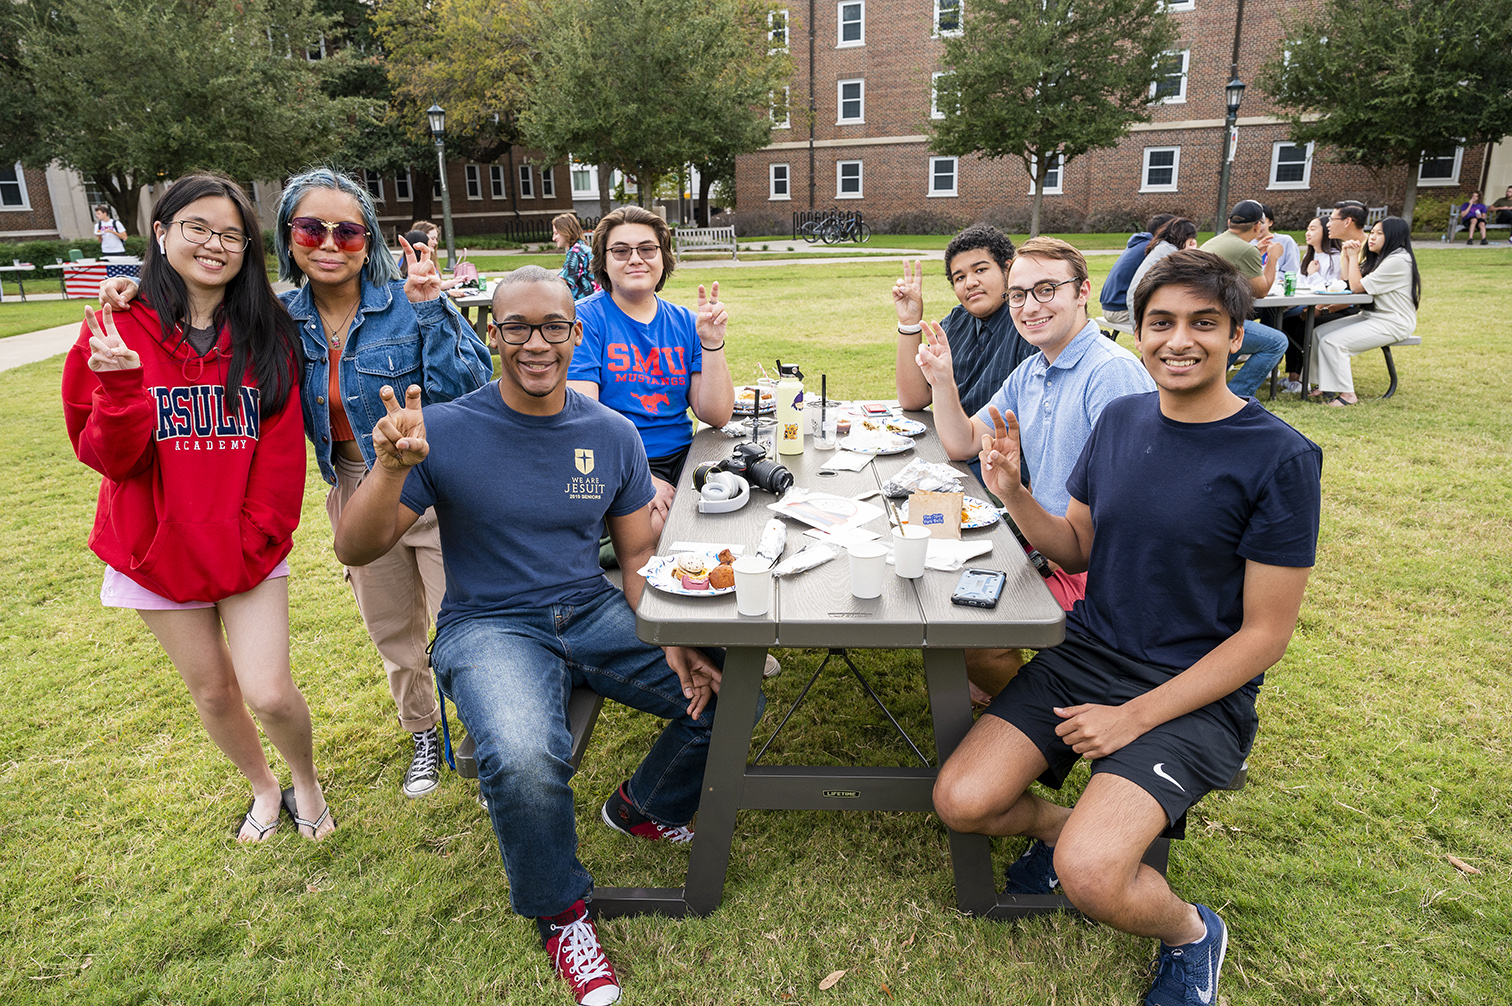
x,y
398,596
1334,343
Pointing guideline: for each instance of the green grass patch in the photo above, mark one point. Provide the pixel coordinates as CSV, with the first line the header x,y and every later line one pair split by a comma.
x,y
1383,750
18,318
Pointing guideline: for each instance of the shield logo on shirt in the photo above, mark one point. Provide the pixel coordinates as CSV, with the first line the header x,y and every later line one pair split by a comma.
x,y
584,459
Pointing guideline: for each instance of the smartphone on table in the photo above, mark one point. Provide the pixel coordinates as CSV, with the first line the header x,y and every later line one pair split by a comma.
x,y
979,588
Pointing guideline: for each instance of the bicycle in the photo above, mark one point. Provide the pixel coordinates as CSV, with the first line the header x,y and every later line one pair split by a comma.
x,y
852,229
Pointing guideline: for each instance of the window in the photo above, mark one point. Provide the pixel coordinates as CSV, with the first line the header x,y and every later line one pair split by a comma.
x,y
947,17
852,102
935,112
474,182
1161,165
1180,4
548,184
781,110
94,196
496,181
318,50
374,182
527,190
584,180
778,176
13,188
436,187
847,179
942,176
404,189
777,30
1170,89
852,24
1053,174
1440,167
1291,165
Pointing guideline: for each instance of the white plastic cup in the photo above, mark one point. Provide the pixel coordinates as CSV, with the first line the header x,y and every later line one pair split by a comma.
x,y
910,547
828,437
868,561
753,585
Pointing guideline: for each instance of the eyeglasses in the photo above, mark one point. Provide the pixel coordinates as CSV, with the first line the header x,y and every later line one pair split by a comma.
x,y
310,232
647,252
518,334
1043,292
195,233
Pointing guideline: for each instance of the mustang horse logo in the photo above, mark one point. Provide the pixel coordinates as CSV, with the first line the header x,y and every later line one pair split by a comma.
x,y
584,460
649,402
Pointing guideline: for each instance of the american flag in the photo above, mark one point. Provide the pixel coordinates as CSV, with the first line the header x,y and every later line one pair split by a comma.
x,y
82,280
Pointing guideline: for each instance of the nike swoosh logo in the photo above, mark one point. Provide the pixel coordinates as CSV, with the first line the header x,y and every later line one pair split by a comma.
x,y
1205,995
1159,770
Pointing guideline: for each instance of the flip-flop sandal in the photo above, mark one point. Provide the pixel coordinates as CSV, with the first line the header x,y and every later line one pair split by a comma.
x,y
314,825
248,820
1340,402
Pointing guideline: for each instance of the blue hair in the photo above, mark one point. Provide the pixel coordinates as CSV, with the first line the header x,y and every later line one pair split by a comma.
x,y
380,269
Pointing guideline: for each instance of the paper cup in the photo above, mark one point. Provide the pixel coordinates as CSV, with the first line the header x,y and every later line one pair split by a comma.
x,y
910,546
868,561
753,585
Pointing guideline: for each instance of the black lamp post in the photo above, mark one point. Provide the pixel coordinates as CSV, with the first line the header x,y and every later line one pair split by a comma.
x,y
437,116
1233,94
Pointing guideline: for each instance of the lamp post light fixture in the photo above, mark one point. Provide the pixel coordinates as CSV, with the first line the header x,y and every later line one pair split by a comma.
x,y
437,118
1233,94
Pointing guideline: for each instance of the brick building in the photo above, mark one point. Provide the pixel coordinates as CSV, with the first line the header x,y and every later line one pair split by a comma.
x,y
871,65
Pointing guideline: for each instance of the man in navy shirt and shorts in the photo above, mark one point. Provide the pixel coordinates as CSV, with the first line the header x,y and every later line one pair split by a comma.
x,y
522,474
1196,515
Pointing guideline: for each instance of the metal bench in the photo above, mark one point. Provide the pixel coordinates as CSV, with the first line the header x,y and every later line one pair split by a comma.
x,y
1113,329
1455,226
704,239
1411,340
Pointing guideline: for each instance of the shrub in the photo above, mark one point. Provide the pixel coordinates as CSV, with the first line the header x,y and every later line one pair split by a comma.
x,y
754,223
1133,217
41,253
920,221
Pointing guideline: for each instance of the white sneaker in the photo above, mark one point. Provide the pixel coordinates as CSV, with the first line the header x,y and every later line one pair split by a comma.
x,y
1292,387
773,667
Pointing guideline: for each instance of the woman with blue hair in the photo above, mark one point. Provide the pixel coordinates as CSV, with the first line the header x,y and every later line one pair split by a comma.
x,y
361,328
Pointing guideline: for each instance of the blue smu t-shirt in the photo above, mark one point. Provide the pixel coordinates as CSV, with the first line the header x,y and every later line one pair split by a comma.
x,y
1177,509
642,371
520,500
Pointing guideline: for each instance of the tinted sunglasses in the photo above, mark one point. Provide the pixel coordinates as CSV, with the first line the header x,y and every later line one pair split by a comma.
x,y
310,232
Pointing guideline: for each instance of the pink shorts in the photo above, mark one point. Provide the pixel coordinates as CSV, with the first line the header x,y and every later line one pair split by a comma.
x,y
121,591
1068,588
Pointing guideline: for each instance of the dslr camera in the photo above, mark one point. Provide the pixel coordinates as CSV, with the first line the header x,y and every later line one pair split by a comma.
x,y
751,463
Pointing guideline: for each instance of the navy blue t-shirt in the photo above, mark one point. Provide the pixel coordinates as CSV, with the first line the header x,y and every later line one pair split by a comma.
x,y
1177,509
520,500
1114,295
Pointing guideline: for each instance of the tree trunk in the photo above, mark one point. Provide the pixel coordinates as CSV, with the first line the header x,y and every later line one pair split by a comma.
x,y
421,183
1409,201
1039,195
124,198
606,190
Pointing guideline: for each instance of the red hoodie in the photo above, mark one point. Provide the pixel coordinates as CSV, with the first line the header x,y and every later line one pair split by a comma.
x,y
200,497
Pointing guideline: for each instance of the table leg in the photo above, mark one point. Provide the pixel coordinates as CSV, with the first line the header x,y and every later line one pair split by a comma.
x,y
950,707
724,778
1308,318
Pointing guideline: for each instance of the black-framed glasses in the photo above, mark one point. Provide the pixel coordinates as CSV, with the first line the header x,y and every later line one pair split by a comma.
x,y
518,333
1043,292
647,252
197,233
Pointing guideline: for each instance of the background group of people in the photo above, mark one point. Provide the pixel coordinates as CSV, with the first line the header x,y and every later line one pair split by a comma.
x,y
1474,214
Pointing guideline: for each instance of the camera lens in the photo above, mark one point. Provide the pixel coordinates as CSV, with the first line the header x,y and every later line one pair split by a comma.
x,y
771,476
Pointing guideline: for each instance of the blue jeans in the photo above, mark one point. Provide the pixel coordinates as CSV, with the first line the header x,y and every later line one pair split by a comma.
x,y
509,675
1265,346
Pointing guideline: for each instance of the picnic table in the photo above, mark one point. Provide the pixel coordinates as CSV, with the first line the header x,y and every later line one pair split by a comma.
x,y
816,609
1311,300
475,308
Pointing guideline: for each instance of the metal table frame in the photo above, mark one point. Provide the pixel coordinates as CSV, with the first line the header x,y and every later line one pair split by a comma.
x,y
1311,302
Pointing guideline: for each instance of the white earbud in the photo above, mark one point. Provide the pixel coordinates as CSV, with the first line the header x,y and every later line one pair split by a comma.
x,y
161,246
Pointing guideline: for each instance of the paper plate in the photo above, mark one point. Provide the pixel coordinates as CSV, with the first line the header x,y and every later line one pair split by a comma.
x,y
979,513
658,573
901,425
876,442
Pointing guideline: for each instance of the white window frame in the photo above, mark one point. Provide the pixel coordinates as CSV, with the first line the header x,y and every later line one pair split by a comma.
x,y
934,94
840,41
1059,171
1179,5
772,30
1459,154
1175,166
591,170
787,182
25,203
1306,181
787,110
1180,97
404,187
497,187
960,9
526,183
955,177
436,186
548,183
840,119
373,182
473,181
860,180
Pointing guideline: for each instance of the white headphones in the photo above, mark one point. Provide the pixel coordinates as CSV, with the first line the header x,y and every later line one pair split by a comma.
x,y
723,492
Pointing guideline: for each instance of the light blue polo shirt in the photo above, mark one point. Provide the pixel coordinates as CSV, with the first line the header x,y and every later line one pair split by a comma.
x,y
1057,404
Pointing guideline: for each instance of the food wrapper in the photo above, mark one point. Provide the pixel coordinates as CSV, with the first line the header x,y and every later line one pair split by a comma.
x,y
806,558
773,541
940,513
923,476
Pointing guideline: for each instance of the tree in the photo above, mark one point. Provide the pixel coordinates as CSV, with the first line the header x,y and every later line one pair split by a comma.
x,y
1381,83
694,85
1037,79
131,92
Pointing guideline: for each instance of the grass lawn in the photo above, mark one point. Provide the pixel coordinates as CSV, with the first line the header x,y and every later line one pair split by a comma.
x,y
18,318
1383,751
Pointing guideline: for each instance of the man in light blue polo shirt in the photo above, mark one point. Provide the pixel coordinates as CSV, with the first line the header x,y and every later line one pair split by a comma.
x,y
1055,396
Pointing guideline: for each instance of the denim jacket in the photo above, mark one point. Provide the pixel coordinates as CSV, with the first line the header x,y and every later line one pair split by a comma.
x,y
391,342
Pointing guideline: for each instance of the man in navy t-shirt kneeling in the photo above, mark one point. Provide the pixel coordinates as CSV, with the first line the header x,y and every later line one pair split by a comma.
x,y
523,473
1205,510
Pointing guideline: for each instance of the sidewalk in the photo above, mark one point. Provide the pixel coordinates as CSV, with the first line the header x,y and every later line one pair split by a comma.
x,y
19,350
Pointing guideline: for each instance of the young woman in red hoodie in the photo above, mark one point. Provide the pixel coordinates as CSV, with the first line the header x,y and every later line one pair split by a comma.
x,y
183,404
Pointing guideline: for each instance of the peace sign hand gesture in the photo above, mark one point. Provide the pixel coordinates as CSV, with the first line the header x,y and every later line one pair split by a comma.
x,y
1000,455
712,318
108,351
934,356
399,437
908,294
423,280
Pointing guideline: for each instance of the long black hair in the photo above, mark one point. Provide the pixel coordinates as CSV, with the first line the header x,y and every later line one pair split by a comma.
x,y
1398,234
1330,246
1176,231
262,333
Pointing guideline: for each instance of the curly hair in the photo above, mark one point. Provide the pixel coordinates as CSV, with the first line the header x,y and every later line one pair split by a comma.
x,y
977,236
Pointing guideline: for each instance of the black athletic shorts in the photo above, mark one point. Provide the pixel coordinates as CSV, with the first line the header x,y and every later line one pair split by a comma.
x,y
1177,763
